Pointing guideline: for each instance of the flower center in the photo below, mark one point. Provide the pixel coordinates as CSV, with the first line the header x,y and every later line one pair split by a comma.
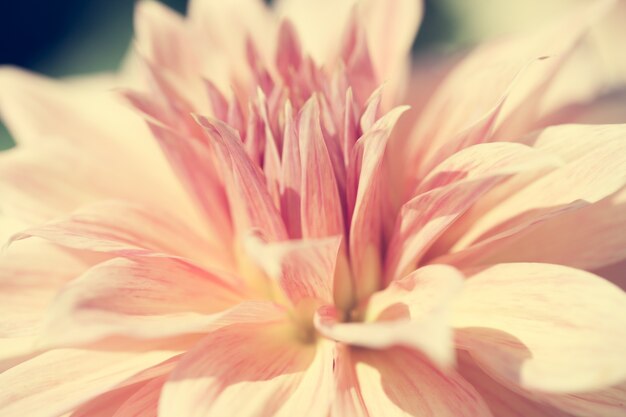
x,y
302,317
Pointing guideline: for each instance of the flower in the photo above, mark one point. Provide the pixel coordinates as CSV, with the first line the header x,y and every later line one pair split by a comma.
x,y
259,228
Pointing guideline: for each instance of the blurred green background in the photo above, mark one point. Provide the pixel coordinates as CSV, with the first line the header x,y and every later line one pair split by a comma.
x,y
68,37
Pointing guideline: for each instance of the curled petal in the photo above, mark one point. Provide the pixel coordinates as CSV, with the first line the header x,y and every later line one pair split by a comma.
x,y
303,268
411,312
545,327
557,207
449,191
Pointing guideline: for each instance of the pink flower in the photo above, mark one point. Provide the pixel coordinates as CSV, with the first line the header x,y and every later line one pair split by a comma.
x,y
286,238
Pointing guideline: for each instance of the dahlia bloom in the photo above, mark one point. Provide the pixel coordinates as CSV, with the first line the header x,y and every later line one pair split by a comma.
x,y
249,221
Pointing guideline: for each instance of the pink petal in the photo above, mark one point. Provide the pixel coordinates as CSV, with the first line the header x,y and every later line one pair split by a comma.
x,y
194,163
485,159
559,41
449,191
127,229
144,402
251,205
372,110
614,273
289,53
271,157
349,125
348,401
291,181
359,66
107,404
27,286
366,229
503,401
36,185
162,37
104,405
596,169
28,283
308,17
556,208
580,235
321,210
228,24
411,312
452,124
551,327
143,298
610,402
606,108
506,399
219,104
66,378
303,268
398,382
502,85
36,109
391,28
251,370
40,183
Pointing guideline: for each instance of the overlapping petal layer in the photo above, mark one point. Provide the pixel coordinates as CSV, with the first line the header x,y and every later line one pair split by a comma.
x,y
256,227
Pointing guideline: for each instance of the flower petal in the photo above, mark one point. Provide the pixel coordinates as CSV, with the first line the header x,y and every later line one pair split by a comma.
x,y
163,38
614,273
263,363
411,312
506,399
398,382
391,28
126,229
144,402
107,404
66,378
36,109
569,326
308,17
495,90
291,181
449,191
228,25
555,208
605,108
251,205
194,163
36,185
366,172
321,210
40,183
502,401
610,402
303,268
28,284
539,88
579,234
142,298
